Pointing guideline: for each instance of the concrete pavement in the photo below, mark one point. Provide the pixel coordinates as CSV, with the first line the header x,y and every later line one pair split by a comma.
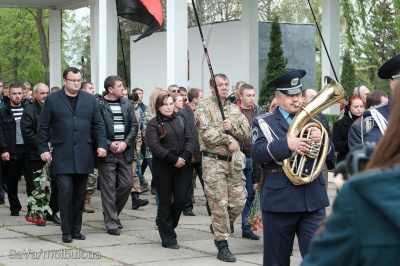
x,y
23,243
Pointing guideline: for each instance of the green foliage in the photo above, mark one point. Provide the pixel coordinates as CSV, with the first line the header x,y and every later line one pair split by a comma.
x,y
276,63
332,118
20,53
348,78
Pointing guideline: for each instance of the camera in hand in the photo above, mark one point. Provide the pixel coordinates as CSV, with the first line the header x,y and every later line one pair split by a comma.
x,y
355,162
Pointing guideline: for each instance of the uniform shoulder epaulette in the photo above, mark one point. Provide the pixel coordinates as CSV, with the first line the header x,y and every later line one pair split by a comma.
x,y
264,115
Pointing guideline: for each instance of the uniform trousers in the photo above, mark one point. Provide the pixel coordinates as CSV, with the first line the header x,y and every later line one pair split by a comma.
x,y
225,194
280,229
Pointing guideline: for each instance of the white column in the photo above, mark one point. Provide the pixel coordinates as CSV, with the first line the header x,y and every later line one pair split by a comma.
x,y
249,37
331,34
177,43
103,41
55,48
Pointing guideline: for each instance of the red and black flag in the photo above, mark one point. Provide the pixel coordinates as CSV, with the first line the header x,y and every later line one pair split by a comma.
x,y
149,12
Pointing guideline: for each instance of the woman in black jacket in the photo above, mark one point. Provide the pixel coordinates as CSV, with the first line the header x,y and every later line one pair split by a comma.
x,y
341,127
172,144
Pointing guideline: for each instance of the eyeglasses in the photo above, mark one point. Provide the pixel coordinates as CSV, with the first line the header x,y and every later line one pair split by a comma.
x,y
178,91
74,80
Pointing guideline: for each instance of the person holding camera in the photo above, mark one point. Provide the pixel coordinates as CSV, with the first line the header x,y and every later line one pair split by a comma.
x,y
364,228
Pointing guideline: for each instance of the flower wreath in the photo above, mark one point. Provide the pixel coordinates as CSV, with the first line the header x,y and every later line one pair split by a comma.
x,y
38,203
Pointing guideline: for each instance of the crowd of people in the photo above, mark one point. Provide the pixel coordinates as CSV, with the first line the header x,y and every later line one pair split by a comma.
x,y
106,142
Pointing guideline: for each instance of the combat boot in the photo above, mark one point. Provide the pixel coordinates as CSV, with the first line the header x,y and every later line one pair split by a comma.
x,y
87,208
224,253
137,202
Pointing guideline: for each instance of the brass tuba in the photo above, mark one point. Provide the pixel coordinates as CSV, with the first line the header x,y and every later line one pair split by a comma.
x,y
294,167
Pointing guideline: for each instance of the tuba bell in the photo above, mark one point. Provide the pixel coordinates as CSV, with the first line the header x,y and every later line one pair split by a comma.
x,y
294,166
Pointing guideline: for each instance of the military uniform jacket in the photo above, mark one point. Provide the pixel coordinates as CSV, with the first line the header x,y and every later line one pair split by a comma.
x,y
370,130
212,135
278,194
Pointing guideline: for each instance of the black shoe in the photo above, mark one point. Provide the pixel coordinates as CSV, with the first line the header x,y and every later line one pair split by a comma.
x,y
14,213
44,224
120,226
137,202
232,229
2,202
157,221
224,254
250,235
67,238
172,246
211,229
114,232
153,190
189,213
78,236
54,218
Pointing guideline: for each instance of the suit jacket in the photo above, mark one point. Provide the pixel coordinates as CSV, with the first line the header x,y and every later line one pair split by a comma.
x,y
187,113
70,132
29,123
364,228
278,194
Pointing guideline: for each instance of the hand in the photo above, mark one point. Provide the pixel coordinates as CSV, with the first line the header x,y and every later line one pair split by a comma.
x,y
5,156
121,147
233,146
315,134
137,113
255,185
338,181
227,125
180,163
46,157
298,145
138,151
101,152
114,147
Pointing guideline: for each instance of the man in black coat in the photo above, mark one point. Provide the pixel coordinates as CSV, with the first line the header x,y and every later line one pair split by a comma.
x,y
29,124
68,116
195,97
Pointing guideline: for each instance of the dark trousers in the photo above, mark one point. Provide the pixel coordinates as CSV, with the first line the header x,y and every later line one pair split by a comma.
x,y
199,171
15,168
116,182
71,199
170,182
35,165
279,232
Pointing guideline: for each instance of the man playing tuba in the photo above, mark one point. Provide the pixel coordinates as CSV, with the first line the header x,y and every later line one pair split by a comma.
x,y
287,209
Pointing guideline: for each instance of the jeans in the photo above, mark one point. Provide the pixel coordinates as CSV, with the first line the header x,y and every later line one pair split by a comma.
x,y
250,195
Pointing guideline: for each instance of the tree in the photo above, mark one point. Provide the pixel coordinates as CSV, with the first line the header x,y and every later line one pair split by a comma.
x,y
20,53
348,77
276,63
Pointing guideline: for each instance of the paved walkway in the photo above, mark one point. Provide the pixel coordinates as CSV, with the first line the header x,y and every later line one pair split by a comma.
x,y
23,243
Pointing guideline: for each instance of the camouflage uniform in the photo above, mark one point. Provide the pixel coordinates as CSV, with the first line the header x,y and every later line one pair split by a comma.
x,y
224,181
91,184
136,182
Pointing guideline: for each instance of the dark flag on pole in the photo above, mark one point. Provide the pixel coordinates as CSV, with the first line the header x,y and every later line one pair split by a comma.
x,y
149,12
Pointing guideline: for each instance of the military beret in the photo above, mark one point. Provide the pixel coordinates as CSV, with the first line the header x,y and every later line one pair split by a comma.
x,y
390,68
288,83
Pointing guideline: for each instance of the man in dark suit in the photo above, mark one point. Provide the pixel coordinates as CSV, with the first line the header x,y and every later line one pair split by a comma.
x,y
68,116
195,97
287,209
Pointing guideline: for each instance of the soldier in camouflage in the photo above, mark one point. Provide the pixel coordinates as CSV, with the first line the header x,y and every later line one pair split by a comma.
x,y
222,162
